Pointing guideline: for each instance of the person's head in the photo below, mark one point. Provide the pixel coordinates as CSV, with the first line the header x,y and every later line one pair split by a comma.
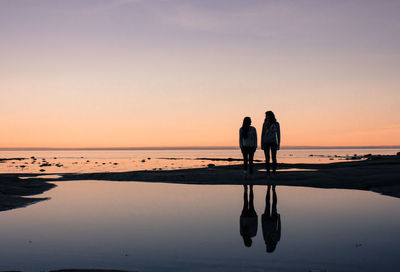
x,y
271,245
246,126
246,122
270,117
247,241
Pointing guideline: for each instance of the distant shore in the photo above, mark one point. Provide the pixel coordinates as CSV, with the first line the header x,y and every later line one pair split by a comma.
x,y
378,173
294,147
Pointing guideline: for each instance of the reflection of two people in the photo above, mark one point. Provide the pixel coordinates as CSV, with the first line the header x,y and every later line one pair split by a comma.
x,y
270,220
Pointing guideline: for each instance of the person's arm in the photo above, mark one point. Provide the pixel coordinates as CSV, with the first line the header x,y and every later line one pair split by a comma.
x,y
262,136
279,227
240,138
255,133
279,135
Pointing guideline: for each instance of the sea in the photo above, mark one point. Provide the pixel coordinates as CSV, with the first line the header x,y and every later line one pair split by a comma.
x,y
117,160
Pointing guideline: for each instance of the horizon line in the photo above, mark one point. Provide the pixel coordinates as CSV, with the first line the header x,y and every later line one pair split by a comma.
x,y
189,148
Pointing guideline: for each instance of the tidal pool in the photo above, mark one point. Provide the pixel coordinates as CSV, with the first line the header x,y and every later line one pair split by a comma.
x,y
170,227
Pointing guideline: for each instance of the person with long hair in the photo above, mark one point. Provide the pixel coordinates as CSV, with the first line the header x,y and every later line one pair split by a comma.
x,y
248,217
271,221
270,140
248,144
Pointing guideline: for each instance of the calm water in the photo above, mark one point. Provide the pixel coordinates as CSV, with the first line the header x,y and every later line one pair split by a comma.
x,y
129,160
170,227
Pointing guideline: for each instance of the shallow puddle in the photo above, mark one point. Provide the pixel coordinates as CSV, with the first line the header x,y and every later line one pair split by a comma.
x,y
171,227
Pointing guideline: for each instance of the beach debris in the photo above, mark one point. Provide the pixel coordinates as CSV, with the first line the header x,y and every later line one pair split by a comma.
x,y
103,163
115,163
143,160
33,158
42,170
211,165
55,158
22,166
45,164
87,161
59,164
149,158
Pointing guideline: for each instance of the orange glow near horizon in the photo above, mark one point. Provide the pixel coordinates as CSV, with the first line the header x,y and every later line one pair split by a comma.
x,y
148,74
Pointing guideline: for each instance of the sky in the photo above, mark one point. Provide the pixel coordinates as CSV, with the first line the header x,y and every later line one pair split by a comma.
x,y
136,73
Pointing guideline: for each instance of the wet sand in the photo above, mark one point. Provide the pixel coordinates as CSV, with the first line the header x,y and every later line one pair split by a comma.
x,y
14,191
380,174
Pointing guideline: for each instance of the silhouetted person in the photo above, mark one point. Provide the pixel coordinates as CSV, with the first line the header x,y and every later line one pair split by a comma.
x,y
248,218
271,221
270,140
248,144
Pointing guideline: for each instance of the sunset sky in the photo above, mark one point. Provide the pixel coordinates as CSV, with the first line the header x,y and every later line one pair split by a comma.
x,y
134,73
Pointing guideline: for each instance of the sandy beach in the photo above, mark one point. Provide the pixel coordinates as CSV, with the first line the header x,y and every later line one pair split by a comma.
x,y
379,174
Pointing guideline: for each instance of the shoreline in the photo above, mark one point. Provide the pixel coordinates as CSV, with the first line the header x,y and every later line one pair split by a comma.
x,y
380,174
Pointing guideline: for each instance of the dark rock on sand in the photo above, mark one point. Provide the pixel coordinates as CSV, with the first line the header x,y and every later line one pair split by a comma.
x,y
89,270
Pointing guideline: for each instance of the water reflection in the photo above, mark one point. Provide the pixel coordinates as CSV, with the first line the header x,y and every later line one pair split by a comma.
x,y
248,218
271,221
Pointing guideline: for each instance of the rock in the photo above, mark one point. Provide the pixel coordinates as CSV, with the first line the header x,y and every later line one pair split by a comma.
x,y
211,165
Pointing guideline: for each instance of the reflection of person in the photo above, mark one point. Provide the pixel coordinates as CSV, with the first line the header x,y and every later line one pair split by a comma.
x,y
248,144
248,218
270,140
271,221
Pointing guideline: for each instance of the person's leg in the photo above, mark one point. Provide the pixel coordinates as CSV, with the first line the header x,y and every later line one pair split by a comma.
x,y
267,202
266,153
251,157
274,202
245,159
274,149
251,202
245,201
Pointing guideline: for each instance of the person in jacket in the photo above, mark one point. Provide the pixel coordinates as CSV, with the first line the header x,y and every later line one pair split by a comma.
x,y
270,140
248,218
248,144
271,221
